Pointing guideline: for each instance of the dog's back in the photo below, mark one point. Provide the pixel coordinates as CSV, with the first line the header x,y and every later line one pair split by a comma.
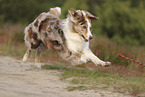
x,y
44,29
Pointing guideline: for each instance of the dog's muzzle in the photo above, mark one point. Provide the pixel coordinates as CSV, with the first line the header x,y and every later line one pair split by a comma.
x,y
91,37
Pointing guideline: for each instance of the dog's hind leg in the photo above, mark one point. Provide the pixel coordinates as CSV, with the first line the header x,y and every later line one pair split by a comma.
x,y
28,43
27,55
37,59
40,49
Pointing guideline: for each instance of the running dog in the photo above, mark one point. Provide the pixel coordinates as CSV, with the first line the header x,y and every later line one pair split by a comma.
x,y
69,37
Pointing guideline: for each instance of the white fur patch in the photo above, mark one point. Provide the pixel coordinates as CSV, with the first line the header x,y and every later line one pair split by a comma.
x,y
73,40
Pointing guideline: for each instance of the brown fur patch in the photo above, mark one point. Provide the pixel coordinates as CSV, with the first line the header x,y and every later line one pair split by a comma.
x,y
91,17
80,18
30,32
43,24
34,46
33,36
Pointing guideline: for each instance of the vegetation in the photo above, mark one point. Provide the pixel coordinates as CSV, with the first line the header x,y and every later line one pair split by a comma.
x,y
24,11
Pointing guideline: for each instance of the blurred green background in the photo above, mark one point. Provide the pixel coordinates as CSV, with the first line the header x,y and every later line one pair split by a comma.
x,y
122,21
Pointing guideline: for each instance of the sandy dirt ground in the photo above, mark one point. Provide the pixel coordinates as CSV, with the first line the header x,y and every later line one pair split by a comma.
x,y
18,79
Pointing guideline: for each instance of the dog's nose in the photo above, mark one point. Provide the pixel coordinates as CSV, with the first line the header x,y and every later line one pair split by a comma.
x,y
91,37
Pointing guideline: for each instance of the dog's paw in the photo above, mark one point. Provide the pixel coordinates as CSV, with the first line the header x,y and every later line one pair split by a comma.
x,y
24,59
38,66
105,64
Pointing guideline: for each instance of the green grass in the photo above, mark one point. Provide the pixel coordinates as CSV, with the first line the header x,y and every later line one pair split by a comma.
x,y
56,67
72,88
86,79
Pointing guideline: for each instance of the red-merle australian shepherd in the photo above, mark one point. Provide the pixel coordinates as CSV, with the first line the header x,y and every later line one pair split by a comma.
x,y
69,37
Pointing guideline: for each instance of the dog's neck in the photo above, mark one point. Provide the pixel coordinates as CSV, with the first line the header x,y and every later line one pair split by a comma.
x,y
69,32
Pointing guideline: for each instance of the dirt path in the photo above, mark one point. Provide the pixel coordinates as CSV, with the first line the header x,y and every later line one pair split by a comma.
x,y
19,79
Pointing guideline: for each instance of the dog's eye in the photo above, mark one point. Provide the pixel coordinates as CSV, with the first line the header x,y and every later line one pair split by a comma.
x,y
56,43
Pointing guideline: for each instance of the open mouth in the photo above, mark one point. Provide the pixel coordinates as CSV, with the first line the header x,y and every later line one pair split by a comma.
x,y
86,40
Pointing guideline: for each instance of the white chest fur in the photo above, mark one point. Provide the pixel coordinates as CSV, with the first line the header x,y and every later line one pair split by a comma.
x,y
74,41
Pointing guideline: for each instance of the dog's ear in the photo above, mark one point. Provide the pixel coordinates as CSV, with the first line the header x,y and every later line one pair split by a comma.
x,y
72,12
92,17
69,13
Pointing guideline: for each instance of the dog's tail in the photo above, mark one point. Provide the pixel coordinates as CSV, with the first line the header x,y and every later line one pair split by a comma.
x,y
55,11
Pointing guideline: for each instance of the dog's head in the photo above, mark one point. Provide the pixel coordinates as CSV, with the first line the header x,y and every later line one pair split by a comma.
x,y
81,23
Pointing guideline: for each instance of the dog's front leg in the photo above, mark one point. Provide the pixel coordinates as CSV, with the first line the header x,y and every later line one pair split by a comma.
x,y
89,54
37,59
